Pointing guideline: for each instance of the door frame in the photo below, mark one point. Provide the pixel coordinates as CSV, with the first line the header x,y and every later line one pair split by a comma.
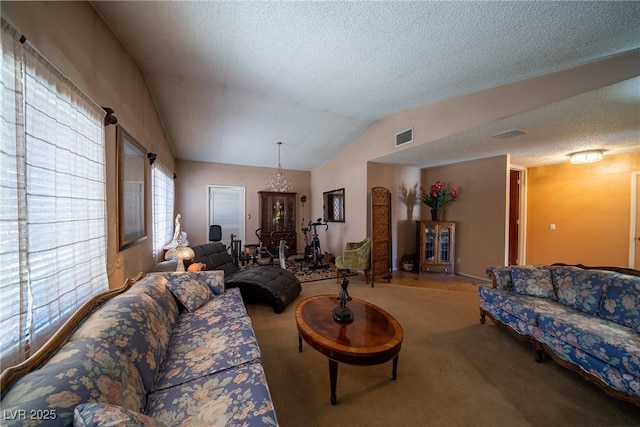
x,y
635,176
243,207
522,226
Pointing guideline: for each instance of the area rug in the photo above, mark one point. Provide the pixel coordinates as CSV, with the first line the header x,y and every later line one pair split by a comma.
x,y
305,273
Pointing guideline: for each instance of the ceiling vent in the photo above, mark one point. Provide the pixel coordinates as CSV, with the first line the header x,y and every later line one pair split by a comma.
x,y
510,133
404,137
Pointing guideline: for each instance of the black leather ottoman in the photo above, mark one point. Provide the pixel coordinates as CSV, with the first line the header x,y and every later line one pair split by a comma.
x,y
266,285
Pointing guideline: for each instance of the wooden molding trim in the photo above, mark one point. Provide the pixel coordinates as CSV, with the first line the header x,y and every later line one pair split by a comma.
x,y
12,373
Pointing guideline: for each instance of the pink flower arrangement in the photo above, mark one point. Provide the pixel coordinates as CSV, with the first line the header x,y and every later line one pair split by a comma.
x,y
437,196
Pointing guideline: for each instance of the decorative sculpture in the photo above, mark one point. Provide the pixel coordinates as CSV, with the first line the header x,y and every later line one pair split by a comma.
x,y
179,239
343,314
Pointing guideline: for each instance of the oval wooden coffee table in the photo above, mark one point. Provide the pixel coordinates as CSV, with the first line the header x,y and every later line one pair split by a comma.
x,y
372,338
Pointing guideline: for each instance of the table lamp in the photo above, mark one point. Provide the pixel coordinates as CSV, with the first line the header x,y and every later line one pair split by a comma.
x,y
182,253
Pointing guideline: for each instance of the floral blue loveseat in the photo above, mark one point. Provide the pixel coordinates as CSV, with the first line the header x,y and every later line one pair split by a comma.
x,y
586,319
169,349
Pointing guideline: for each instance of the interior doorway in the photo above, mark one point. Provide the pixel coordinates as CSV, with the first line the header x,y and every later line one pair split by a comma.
x,y
634,229
516,204
227,209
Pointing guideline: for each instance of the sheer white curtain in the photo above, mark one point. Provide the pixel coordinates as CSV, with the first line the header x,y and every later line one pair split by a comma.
x,y
53,211
162,200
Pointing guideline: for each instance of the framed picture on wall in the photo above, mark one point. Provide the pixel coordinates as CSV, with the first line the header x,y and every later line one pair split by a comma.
x,y
132,177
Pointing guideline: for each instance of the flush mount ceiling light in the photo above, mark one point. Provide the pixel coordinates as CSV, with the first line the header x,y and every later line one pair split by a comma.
x,y
278,182
588,156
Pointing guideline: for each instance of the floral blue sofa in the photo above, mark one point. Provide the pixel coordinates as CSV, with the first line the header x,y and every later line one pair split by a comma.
x,y
587,319
168,349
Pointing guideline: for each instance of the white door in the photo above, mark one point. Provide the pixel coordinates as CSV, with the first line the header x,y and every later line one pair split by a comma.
x,y
226,209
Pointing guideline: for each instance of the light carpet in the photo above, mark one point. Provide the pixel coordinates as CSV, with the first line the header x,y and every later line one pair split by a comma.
x,y
452,370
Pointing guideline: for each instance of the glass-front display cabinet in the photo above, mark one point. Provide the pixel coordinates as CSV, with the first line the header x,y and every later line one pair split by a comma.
x,y
278,218
436,246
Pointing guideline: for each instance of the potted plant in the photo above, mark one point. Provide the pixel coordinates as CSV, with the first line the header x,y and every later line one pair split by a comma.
x,y
407,262
437,197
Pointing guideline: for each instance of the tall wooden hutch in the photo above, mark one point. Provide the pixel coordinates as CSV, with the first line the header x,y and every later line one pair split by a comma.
x,y
436,246
278,218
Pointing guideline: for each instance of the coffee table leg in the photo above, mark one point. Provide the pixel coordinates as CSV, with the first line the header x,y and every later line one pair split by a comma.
x,y
299,343
333,378
394,372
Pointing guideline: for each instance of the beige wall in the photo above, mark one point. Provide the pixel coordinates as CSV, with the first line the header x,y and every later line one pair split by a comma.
x,y
74,38
193,179
349,171
403,229
479,211
589,204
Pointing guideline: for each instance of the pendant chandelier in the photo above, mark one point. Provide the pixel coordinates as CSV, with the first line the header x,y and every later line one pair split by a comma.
x,y
278,182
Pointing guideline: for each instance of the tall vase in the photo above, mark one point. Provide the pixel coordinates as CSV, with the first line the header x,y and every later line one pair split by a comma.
x,y
435,214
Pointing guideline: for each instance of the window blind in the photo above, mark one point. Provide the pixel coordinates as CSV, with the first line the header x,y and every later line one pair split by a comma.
x,y
162,201
54,221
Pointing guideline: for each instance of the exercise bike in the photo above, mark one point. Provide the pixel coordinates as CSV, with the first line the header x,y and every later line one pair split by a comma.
x,y
313,251
275,247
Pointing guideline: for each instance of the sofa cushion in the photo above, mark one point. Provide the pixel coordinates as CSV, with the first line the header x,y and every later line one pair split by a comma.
x,y
104,415
580,289
139,322
235,397
218,309
524,307
612,343
81,371
202,349
533,280
190,289
621,301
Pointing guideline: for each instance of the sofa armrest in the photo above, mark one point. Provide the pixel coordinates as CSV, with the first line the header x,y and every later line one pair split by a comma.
x,y
500,277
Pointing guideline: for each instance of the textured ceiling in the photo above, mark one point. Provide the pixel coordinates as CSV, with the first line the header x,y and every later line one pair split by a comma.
x,y
232,78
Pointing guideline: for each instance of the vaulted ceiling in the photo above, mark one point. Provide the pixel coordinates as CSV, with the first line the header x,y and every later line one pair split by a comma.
x,y
232,78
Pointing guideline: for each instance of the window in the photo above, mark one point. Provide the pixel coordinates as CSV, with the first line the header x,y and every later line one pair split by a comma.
x,y
334,205
52,199
162,201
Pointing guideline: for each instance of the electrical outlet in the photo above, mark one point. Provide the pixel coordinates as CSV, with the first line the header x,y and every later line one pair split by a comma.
x,y
552,227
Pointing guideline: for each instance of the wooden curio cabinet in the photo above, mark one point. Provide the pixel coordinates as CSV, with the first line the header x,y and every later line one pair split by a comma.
x,y
436,246
278,218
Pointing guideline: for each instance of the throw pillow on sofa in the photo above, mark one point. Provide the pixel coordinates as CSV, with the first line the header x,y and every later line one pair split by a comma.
x,y
534,280
100,414
579,288
190,289
621,301
214,279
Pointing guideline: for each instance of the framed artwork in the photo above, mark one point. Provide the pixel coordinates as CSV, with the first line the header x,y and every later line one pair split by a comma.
x,y
132,177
